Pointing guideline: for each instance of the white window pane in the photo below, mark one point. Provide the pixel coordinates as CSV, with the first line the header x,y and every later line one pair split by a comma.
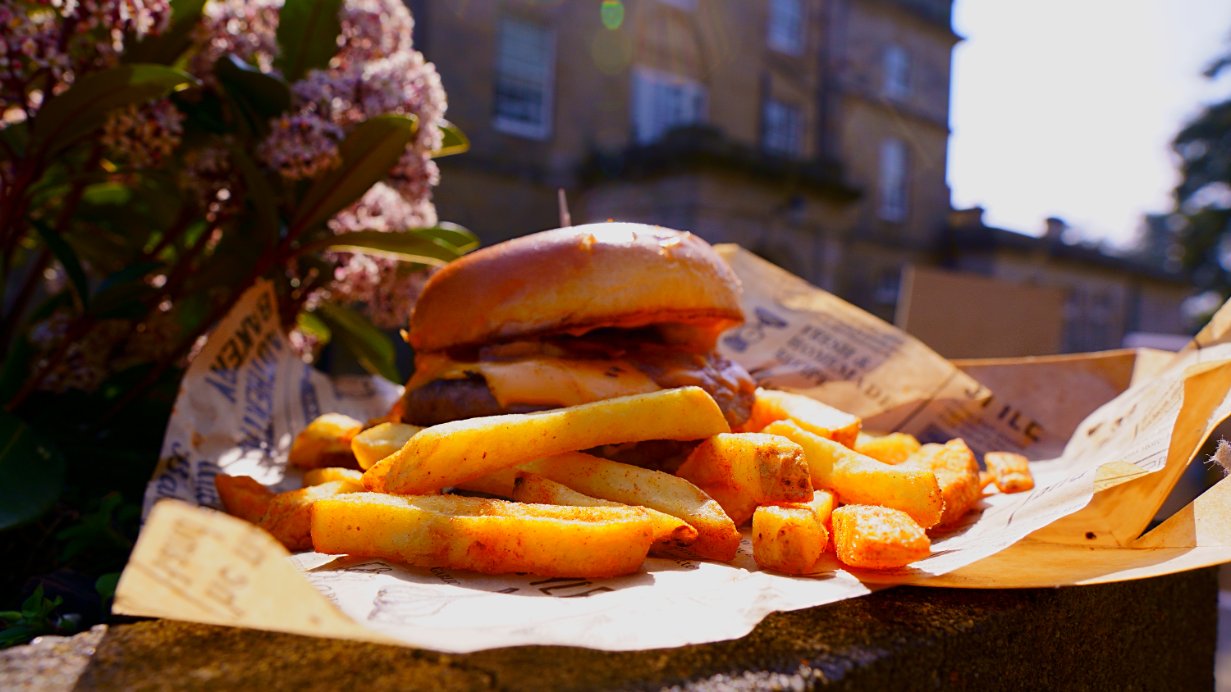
x,y
523,87
786,26
662,101
896,72
893,180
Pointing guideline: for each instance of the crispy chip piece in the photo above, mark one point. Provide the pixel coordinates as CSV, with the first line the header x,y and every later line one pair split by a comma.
x,y
957,473
354,477
669,531
893,448
790,538
878,537
743,470
287,518
325,442
717,537
985,479
379,441
484,535
451,453
1010,471
243,496
817,418
859,479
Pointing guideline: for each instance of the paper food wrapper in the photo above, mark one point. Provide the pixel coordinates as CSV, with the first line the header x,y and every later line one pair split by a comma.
x,y
1099,482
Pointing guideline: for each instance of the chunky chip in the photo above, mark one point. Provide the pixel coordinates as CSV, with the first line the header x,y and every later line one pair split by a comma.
x,y
484,535
743,470
353,477
811,415
451,453
243,496
893,448
669,531
325,442
874,537
790,538
379,441
717,537
1010,472
957,473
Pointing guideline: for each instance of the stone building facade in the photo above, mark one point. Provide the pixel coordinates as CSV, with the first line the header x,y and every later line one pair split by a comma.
x,y
813,132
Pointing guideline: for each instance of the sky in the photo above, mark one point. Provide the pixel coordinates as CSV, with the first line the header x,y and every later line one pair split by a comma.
x,y
1067,107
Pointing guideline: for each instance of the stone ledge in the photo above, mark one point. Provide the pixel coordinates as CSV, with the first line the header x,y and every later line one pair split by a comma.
x,y
1153,634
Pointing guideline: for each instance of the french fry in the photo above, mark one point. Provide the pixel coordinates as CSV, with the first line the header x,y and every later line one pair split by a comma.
x,y
499,483
957,474
451,453
811,415
379,441
878,537
743,470
325,442
287,518
484,535
790,538
669,531
859,479
717,537
985,479
353,477
243,496
1010,471
893,448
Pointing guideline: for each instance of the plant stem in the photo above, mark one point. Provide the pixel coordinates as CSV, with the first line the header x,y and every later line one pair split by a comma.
x,y
9,323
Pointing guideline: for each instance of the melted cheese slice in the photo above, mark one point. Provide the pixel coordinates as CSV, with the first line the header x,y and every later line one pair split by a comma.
x,y
544,381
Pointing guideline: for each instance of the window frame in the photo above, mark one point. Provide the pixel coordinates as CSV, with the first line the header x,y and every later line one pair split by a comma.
x,y
514,126
896,72
796,137
893,180
786,37
646,78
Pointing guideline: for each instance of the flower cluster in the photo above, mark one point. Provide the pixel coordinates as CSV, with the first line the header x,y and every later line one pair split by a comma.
x,y
246,29
45,45
143,135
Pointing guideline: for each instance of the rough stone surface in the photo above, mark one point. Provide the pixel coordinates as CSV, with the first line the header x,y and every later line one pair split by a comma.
x,y
1151,634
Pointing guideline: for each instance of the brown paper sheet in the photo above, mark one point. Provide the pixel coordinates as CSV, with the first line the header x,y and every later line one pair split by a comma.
x,y
1099,483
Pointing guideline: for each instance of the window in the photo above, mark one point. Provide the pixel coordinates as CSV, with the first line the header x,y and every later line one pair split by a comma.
x,y
662,101
893,179
896,72
781,128
524,67
786,26
682,4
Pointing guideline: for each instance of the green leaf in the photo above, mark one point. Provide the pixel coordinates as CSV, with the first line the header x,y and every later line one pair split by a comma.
x,y
307,36
354,332
105,586
369,152
83,108
455,141
407,246
257,96
67,258
166,47
33,473
15,367
453,235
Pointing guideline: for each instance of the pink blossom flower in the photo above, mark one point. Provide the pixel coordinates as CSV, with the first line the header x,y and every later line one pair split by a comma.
x,y
302,146
372,30
143,135
246,29
86,362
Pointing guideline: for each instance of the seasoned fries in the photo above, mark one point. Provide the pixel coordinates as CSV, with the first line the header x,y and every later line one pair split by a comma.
x,y
243,496
808,413
790,538
957,473
325,442
379,441
484,535
669,531
717,537
451,453
1010,472
287,518
893,448
877,537
743,470
353,477
858,479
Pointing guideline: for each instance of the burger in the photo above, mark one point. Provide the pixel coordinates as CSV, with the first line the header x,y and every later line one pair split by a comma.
x,y
574,315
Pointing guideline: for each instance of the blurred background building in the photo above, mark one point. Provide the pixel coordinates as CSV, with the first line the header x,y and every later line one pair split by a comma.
x,y
812,132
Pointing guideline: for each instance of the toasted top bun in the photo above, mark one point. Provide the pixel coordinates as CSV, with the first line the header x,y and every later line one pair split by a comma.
x,y
572,280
